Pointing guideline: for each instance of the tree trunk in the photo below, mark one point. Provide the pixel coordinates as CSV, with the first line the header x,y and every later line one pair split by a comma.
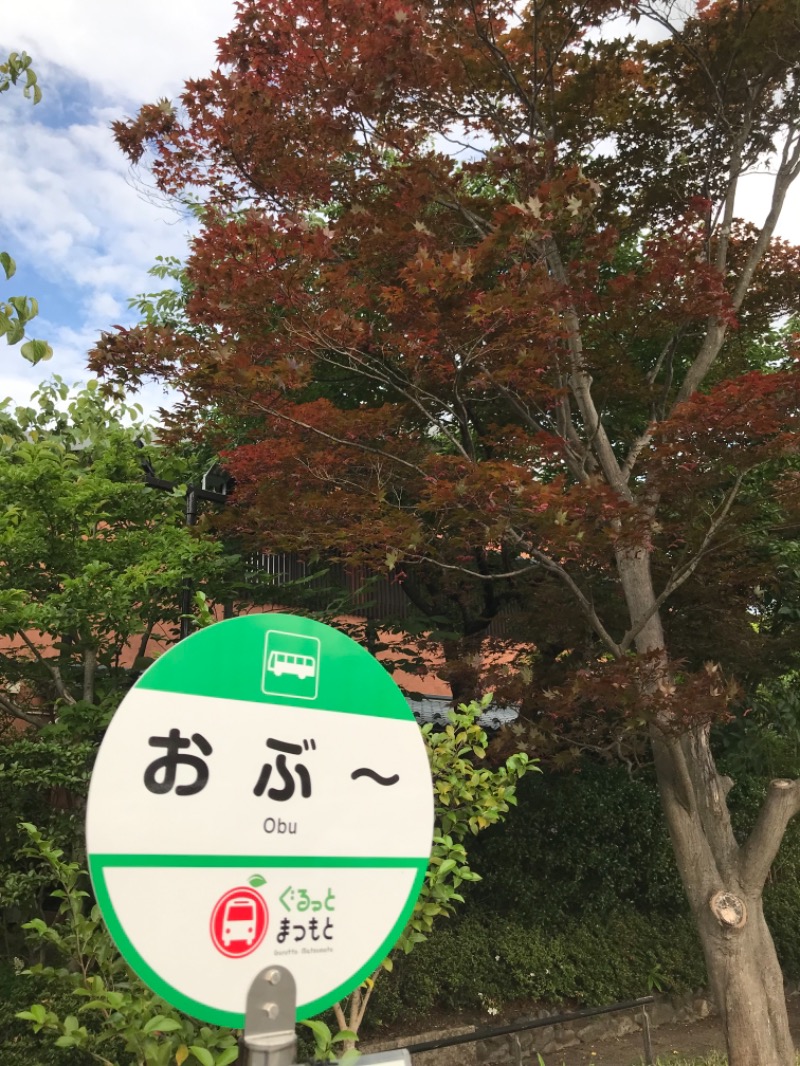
x,y
743,970
462,666
746,981
89,672
723,880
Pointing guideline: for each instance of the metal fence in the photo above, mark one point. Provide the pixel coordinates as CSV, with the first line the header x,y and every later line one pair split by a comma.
x,y
375,597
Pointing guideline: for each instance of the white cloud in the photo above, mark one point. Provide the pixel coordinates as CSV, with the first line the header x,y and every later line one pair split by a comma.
x,y
753,203
73,215
68,189
105,308
19,379
71,211
131,52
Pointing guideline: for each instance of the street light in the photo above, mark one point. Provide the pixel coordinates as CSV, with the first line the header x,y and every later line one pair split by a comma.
x,y
214,487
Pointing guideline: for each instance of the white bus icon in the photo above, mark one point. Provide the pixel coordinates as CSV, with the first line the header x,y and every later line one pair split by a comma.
x,y
239,921
287,662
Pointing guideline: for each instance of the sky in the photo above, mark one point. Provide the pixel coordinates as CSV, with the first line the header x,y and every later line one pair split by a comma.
x,y
82,226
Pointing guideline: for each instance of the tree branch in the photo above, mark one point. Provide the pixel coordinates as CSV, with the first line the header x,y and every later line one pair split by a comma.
x,y
391,380
481,227
140,654
53,670
781,804
507,70
11,708
580,382
341,1021
365,998
683,572
717,330
546,563
635,451
574,461
585,603
336,440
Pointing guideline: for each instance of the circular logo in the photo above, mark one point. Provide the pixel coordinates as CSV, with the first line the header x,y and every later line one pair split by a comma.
x,y
239,922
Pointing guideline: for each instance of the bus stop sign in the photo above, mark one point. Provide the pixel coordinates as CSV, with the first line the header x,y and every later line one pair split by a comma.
x,y
262,797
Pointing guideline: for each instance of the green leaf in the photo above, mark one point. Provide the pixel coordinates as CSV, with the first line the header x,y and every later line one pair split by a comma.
x,y
24,306
230,1054
36,351
14,332
37,1013
8,265
161,1024
257,880
344,1034
202,1054
38,925
319,1029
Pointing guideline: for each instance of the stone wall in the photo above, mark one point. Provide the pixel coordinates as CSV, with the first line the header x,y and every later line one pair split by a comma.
x,y
512,1049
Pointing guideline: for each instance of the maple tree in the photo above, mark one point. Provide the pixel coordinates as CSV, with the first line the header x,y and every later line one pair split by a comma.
x,y
471,301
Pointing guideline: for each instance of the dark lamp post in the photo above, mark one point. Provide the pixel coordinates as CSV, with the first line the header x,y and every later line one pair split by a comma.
x,y
214,487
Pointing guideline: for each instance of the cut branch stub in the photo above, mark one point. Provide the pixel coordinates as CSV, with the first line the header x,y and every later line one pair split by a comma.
x,y
729,910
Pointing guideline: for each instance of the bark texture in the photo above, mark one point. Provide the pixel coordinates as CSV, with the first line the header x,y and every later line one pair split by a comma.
x,y
723,879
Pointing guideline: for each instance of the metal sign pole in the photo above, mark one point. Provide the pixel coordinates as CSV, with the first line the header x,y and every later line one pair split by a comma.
x,y
269,1038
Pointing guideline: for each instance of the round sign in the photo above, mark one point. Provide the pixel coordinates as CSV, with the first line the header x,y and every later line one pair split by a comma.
x,y
262,796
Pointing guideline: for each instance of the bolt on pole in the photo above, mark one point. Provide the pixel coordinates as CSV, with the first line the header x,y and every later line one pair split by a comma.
x,y
269,1029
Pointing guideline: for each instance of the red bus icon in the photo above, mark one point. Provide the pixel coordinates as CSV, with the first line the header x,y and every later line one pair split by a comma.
x,y
239,922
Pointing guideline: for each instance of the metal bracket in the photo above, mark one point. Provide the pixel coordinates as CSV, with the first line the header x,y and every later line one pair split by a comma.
x,y
269,1038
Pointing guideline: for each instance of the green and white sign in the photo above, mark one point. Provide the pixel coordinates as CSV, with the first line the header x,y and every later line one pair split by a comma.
x,y
261,796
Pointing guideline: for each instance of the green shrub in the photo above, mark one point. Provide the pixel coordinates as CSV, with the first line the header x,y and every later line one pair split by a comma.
x,y
629,954
579,843
18,1045
782,911
41,777
490,960
580,902
103,1010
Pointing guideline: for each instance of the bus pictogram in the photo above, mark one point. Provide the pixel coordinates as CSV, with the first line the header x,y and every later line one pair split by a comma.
x,y
291,665
239,922
285,662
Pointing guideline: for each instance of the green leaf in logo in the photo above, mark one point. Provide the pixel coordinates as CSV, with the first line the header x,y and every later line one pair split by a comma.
x,y
257,880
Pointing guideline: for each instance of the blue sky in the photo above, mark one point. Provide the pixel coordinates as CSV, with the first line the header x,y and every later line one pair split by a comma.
x,y
83,227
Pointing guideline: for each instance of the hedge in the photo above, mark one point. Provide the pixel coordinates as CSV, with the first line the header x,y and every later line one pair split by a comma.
x,y
580,903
